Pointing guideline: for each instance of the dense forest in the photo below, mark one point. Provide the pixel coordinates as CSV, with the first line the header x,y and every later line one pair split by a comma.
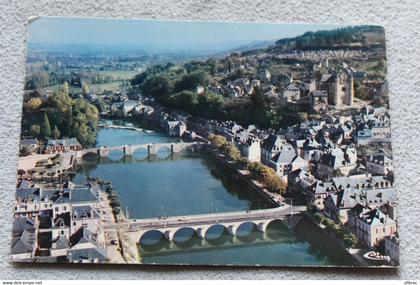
x,y
60,116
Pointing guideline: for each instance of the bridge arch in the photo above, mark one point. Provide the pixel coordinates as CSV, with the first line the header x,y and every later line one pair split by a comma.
x,y
246,228
90,154
215,231
163,150
140,152
116,154
184,234
151,237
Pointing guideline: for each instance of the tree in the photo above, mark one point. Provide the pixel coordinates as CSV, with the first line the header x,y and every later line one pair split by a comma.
x,y
318,217
55,133
185,100
35,130
233,152
257,97
274,183
34,103
100,104
85,88
350,240
218,141
191,80
65,88
45,126
157,86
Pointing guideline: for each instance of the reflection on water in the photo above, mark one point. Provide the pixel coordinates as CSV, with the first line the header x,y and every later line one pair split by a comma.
x,y
183,183
278,246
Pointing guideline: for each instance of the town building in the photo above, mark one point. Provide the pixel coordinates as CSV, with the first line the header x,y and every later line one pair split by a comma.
x,y
62,145
176,128
371,226
379,163
339,86
29,146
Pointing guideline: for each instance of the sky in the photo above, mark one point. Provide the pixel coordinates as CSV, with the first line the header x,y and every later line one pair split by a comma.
x,y
182,35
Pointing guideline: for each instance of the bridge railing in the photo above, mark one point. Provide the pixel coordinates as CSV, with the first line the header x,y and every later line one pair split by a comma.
x,y
220,215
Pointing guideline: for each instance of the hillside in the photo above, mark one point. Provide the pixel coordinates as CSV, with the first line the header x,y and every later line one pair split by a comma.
x,y
242,85
364,37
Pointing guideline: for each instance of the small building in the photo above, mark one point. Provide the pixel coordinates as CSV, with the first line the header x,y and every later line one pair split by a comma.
x,y
62,145
291,93
287,160
176,128
200,90
371,226
337,205
381,130
271,146
29,145
336,162
24,240
251,149
318,100
364,137
379,163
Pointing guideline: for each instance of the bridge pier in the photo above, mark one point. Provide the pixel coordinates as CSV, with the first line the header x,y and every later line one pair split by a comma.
x,y
175,148
151,148
232,229
262,227
201,232
127,150
169,235
103,152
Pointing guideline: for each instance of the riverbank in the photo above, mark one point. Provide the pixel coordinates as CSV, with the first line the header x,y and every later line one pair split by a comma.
x,y
320,239
204,183
219,160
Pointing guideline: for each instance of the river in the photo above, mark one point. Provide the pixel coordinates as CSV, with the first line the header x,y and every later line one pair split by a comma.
x,y
186,184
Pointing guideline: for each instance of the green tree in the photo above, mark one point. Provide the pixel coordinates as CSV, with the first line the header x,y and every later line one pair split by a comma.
x,y
350,240
65,88
217,140
100,104
35,131
257,97
85,88
45,126
185,100
233,152
157,86
191,80
55,133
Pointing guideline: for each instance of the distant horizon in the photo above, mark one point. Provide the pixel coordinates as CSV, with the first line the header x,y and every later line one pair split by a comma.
x,y
161,35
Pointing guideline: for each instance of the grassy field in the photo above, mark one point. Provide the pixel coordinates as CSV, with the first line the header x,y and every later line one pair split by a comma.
x,y
94,88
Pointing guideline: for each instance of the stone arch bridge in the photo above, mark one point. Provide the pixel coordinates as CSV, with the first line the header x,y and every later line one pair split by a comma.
x,y
231,221
128,150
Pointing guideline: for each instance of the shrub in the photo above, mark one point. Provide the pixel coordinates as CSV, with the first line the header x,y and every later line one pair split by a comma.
x,y
319,218
350,240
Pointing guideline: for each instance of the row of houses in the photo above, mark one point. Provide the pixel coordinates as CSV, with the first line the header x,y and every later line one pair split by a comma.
x,y
321,159
58,224
52,146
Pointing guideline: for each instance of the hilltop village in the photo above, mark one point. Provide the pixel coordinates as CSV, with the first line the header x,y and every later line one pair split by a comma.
x,y
325,133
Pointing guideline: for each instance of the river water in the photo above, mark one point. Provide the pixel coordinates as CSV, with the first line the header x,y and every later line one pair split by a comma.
x,y
186,184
